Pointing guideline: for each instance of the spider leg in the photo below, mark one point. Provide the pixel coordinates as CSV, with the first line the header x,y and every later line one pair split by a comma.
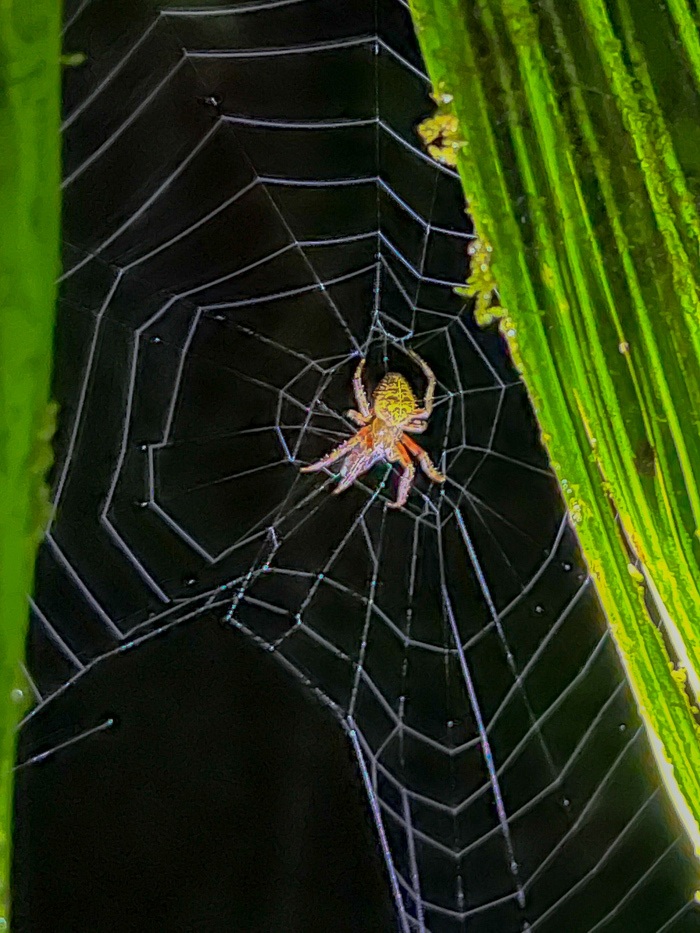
x,y
357,464
336,454
430,391
360,394
409,471
357,417
415,427
426,463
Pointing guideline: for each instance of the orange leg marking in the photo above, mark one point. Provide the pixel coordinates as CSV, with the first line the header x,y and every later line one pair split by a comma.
x,y
426,463
409,471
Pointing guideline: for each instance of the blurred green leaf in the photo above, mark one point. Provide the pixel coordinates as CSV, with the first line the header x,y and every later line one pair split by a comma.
x,y
29,261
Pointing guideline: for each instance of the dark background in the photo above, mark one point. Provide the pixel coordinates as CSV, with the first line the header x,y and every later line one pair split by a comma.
x,y
174,775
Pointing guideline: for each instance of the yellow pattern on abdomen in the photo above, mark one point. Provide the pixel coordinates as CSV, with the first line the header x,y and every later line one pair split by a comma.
x,y
394,402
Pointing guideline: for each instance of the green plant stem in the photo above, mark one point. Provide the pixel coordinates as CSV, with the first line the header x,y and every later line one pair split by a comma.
x,y
29,262
594,232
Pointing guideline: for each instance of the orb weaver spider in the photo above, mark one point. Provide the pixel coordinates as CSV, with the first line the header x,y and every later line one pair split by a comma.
x,y
384,425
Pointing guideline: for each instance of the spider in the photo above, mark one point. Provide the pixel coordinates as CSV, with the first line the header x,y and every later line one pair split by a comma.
x,y
382,435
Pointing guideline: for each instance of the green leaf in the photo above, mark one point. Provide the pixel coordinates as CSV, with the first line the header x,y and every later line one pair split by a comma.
x,y
29,262
579,179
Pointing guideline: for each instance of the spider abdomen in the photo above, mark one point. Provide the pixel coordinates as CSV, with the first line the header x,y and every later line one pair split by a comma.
x,y
394,402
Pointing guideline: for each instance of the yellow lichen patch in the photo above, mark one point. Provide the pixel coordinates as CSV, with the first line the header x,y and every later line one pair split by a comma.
x,y
440,133
577,507
481,283
506,326
595,569
578,510
631,536
636,575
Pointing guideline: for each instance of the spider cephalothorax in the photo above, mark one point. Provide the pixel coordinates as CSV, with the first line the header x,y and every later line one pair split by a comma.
x,y
382,435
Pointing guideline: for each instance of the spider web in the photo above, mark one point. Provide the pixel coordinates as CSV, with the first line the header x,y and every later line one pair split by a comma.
x,y
248,212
